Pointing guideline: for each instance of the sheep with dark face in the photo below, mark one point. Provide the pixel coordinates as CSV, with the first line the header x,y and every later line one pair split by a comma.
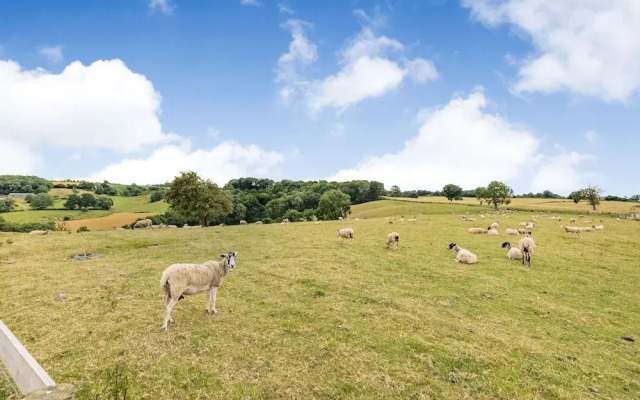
x,y
514,253
179,280
393,238
463,255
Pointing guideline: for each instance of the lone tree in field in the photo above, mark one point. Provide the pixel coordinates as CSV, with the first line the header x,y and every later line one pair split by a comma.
x,y
395,191
451,191
592,194
196,199
480,193
41,201
334,204
576,196
495,194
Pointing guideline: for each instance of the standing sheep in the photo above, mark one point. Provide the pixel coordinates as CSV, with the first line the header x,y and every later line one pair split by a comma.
x,y
143,223
243,222
527,247
463,255
393,238
187,279
514,253
346,233
571,229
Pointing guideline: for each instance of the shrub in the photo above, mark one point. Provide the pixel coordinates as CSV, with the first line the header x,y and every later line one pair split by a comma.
x,y
267,220
7,205
66,218
41,201
309,214
28,227
82,229
156,196
293,215
126,226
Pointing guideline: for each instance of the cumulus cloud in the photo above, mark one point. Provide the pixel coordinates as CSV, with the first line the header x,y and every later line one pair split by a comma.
x,y
562,173
221,163
103,105
588,47
16,158
370,66
53,53
164,6
462,143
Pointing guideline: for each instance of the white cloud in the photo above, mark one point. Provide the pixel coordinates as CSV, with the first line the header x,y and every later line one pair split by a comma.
x,y
226,161
588,47
1,49
249,2
302,52
376,21
164,6
53,53
16,158
103,105
591,136
285,9
562,173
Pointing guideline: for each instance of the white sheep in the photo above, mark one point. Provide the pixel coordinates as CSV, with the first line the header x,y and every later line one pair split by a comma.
x,y
37,232
143,223
258,222
495,225
571,229
522,231
414,219
523,224
510,231
492,231
527,246
243,222
179,280
393,238
346,233
285,221
185,226
598,227
586,228
514,253
172,226
463,255
476,230
572,220
340,218
531,225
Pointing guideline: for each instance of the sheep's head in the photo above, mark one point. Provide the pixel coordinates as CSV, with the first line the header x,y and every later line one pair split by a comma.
x,y
452,246
506,244
231,258
527,234
337,233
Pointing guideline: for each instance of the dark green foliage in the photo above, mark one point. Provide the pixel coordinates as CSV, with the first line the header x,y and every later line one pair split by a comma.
x,y
495,194
592,194
395,191
72,202
23,184
267,220
334,204
7,205
87,200
106,188
293,216
82,229
309,214
156,196
32,226
113,383
41,201
452,192
133,190
103,203
86,185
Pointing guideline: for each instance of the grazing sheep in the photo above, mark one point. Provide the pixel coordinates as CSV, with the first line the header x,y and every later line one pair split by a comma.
x,y
514,253
285,221
481,216
187,279
527,246
143,223
463,255
510,231
617,219
340,218
586,229
495,225
185,226
40,232
393,238
346,233
492,231
552,218
172,226
476,230
598,227
414,219
572,220
401,220
155,226
559,219
243,222
258,222
571,229
318,222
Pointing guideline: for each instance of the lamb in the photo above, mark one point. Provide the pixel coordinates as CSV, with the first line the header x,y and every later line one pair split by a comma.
x,y
243,222
491,231
527,246
143,223
514,253
393,238
495,225
346,233
463,255
37,232
510,231
571,229
598,227
340,218
476,230
179,280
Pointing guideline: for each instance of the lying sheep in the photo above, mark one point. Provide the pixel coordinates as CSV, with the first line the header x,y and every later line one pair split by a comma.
x,y
179,280
340,218
492,231
571,229
393,238
476,230
514,253
470,219
185,226
523,224
143,223
522,231
527,247
510,231
346,233
172,226
572,220
598,227
37,232
463,255
495,225
531,225
586,228
285,221
414,219
243,222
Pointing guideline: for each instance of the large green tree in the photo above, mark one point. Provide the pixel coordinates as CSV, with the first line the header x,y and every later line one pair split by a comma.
x,y
592,194
197,199
576,196
41,201
334,204
451,191
495,194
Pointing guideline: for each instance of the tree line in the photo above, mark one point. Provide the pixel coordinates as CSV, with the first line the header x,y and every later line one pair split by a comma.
x,y
23,184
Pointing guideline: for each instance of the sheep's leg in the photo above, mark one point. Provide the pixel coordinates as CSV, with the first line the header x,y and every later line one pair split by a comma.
x,y
167,313
214,294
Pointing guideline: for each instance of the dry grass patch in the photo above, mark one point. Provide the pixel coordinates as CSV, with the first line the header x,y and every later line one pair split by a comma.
x,y
108,222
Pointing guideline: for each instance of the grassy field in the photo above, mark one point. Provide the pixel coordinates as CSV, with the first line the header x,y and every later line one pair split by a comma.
x,y
306,316
558,205
108,222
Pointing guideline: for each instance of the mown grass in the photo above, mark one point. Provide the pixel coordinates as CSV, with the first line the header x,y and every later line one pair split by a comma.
x,y
559,205
306,316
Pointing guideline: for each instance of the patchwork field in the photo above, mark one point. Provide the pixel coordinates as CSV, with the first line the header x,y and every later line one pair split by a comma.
x,y
105,223
559,205
306,316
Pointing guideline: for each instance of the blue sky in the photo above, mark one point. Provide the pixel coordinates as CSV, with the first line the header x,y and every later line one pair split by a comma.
x,y
540,94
